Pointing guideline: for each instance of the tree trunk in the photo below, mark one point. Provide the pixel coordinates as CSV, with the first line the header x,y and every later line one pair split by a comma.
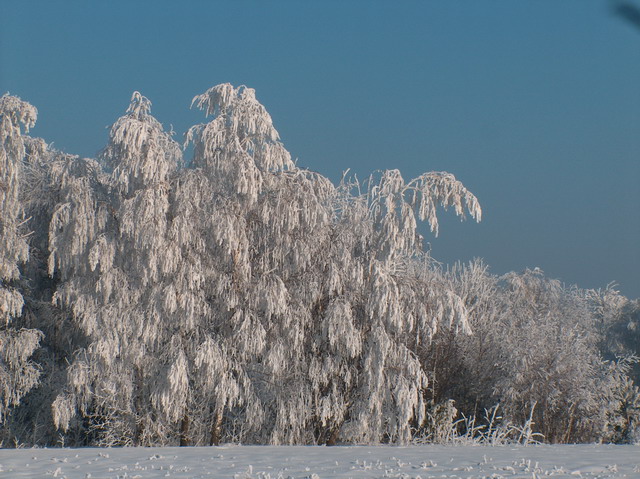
x,y
138,406
184,431
216,430
333,437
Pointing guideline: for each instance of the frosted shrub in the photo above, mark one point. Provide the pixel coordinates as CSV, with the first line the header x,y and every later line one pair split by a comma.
x,y
537,348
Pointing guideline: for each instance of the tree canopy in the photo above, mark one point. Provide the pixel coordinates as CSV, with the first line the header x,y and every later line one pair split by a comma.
x,y
235,296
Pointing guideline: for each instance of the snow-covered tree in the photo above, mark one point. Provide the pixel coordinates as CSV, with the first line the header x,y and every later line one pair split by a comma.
x,y
17,373
536,347
239,297
107,241
244,297
320,279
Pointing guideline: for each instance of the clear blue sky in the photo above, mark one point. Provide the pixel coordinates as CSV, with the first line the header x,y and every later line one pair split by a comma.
x,y
533,104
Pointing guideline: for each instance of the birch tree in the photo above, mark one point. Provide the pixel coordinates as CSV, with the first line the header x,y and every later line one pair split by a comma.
x,y
107,240
316,278
257,242
17,373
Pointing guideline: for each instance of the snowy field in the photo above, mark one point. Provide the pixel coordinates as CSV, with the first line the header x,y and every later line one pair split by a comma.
x,y
247,462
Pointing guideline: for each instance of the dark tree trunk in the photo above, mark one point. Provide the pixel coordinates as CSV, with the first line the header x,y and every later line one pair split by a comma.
x,y
184,431
333,437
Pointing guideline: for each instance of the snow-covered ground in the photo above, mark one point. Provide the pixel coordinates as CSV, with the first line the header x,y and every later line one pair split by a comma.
x,y
246,462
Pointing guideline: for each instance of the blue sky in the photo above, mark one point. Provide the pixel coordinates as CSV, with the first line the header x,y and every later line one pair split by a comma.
x,y
533,104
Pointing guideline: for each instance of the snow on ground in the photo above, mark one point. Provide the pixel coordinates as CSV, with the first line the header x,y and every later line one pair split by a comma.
x,y
316,462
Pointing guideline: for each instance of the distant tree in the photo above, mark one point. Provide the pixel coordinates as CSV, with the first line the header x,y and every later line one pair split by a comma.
x,y
553,364
537,347
464,368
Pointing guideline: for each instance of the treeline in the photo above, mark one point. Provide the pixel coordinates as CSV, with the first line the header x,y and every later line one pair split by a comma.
x,y
235,297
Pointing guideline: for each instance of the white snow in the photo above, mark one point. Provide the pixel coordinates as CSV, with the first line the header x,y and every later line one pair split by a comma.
x,y
317,462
